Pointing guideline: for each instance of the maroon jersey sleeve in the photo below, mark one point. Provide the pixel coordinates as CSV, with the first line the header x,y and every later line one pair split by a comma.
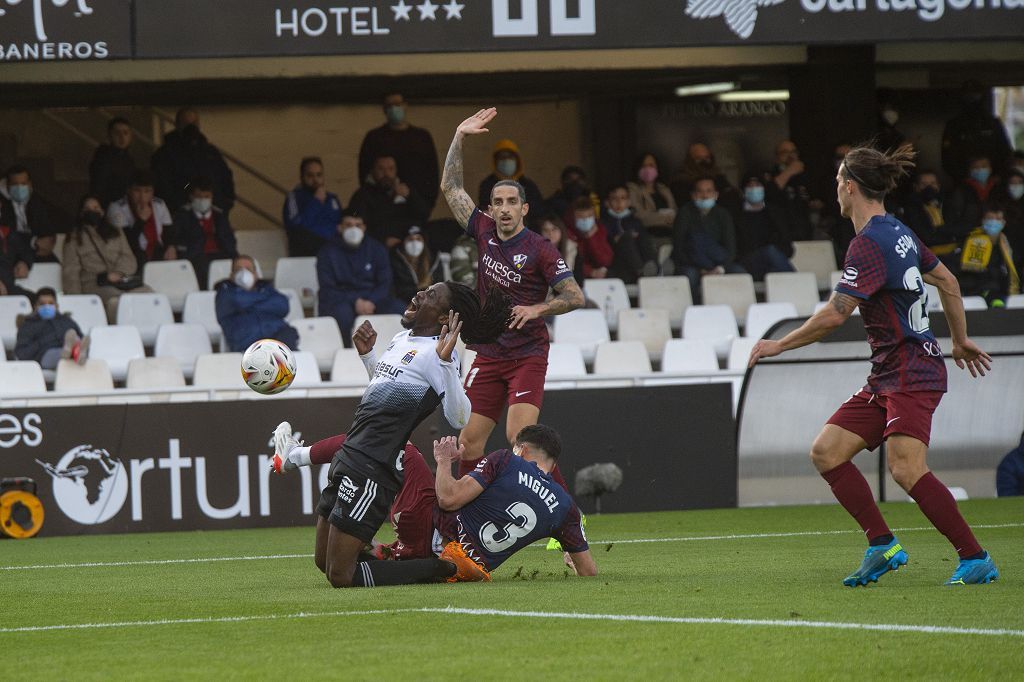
x,y
571,534
552,264
929,261
479,222
490,467
864,269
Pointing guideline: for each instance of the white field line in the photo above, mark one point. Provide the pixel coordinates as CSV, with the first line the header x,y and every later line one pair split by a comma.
x,y
699,538
629,618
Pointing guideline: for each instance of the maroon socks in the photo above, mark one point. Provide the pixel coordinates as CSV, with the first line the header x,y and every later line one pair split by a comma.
x,y
938,505
854,493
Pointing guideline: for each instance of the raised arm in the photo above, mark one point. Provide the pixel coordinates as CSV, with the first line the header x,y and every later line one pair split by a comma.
x,y
817,327
965,352
452,183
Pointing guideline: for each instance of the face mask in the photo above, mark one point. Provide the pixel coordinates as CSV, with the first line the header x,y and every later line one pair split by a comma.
x,y
929,194
507,167
992,226
19,193
890,116
648,174
353,236
202,205
395,114
245,279
1016,191
980,175
705,204
585,225
91,218
47,311
619,214
414,248
754,195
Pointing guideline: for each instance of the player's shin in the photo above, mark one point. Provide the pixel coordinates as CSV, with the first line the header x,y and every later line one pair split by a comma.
x,y
937,503
853,492
380,573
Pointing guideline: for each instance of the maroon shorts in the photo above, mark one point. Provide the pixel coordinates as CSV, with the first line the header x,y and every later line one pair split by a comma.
x,y
492,383
876,416
412,512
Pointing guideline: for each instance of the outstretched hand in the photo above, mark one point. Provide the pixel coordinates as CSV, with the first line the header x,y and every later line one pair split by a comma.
x,y
448,450
764,348
975,359
449,336
476,124
364,338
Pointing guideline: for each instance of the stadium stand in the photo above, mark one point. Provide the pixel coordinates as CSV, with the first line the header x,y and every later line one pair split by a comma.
x,y
739,352
220,269
347,368
621,358
93,375
321,337
734,290
584,328
798,288
298,274
816,256
713,323
159,372
219,370
1015,301
175,279
671,294
761,317
565,361
184,342
610,296
386,327
22,379
145,312
42,275
689,355
649,326
266,246
975,303
10,308
85,309
116,345
295,311
201,308
307,370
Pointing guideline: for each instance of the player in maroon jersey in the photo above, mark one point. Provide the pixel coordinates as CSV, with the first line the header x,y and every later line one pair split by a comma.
x,y
524,265
884,274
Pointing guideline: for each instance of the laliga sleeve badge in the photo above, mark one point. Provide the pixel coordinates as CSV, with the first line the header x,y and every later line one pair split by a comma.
x,y
21,512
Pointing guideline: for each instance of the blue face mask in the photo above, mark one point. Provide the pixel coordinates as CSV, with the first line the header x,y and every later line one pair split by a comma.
x,y
754,195
19,193
47,311
585,225
704,204
992,227
981,175
507,167
1016,191
395,114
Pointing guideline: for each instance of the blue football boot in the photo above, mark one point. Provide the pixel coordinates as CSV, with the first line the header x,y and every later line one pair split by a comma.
x,y
878,560
974,572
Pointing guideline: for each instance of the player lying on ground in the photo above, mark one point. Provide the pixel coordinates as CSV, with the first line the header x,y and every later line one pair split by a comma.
x,y
505,504
884,274
418,371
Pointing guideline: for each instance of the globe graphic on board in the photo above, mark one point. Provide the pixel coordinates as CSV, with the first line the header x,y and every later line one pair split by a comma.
x,y
90,485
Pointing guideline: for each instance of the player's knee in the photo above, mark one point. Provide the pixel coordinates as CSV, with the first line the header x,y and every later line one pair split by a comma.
x,y
339,578
821,454
321,563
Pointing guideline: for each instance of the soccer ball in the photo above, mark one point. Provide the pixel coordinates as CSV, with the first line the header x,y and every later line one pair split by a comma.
x,y
268,366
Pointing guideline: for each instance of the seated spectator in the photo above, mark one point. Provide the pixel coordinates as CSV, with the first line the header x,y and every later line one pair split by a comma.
x,y
112,167
354,275
887,135
387,204
786,187
145,220
186,154
635,253
311,213
508,165
925,212
594,253
98,259
833,225
986,263
48,335
699,163
250,309
26,212
704,237
762,235
465,261
413,266
971,194
974,131
573,185
204,232
15,259
1011,198
652,202
553,229
1010,473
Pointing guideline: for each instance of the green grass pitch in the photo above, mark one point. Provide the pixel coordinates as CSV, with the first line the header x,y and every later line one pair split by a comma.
x,y
278,618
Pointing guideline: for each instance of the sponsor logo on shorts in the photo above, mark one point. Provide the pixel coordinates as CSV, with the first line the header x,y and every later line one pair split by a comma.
x,y
519,260
520,394
347,489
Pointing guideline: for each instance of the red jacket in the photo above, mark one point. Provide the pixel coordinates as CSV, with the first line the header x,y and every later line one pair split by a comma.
x,y
594,251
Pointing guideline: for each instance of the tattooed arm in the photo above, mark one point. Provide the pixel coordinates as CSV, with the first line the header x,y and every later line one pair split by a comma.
x,y
817,327
568,296
451,180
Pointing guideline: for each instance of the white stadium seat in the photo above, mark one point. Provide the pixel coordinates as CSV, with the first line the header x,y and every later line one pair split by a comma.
x,y
21,379
219,370
714,323
117,345
733,290
154,373
798,288
295,311
94,375
610,296
584,328
739,352
833,279
975,303
183,342
145,312
42,275
307,370
671,294
386,327
347,368
10,308
321,337
621,358
1015,301
85,309
934,302
175,279
762,316
689,355
266,246
650,327
817,256
664,253
201,308
298,274
565,362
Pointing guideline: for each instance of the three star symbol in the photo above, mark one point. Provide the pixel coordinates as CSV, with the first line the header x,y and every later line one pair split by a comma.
x,y
427,10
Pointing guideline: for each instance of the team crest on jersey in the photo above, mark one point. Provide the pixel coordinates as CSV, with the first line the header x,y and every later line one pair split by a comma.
x,y
408,357
519,260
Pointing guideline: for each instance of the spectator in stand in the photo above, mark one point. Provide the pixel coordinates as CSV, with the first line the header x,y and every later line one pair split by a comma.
x,y
786,187
1010,473
250,309
412,149
25,212
1011,198
465,261
387,204
553,229
354,274
573,185
187,154
986,263
967,201
145,220
925,213
704,237
833,225
594,255
311,213
762,236
203,230
16,258
413,266
972,133
98,259
48,335
887,135
635,253
508,165
652,201
112,166
700,163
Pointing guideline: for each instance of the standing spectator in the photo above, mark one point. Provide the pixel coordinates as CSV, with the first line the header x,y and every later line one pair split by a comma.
x,y
1010,473
145,220
250,309
786,186
412,149
986,263
573,185
311,213
203,229
833,224
387,204
98,259
1011,198
926,213
628,235
704,237
972,194
186,154
464,261
413,266
652,201
112,167
354,275
594,252
972,133
887,135
47,335
762,236
699,163
26,213
508,165
15,260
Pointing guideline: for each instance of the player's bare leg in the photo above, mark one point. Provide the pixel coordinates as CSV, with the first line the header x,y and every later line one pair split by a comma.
x,y
520,415
341,554
344,569
323,526
906,459
835,446
474,438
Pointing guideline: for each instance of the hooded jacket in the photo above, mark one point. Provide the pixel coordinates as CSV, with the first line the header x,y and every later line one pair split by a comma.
x,y
533,195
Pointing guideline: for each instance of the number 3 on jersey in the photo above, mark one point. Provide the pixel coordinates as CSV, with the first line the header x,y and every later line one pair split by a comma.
x,y
917,316
524,520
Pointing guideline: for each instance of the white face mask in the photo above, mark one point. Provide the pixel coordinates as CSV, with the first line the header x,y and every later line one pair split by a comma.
x,y
414,248
890,116
202,205
353,236
245,279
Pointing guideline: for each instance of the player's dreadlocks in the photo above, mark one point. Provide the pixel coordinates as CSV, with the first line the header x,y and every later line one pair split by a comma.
x,y
480,323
